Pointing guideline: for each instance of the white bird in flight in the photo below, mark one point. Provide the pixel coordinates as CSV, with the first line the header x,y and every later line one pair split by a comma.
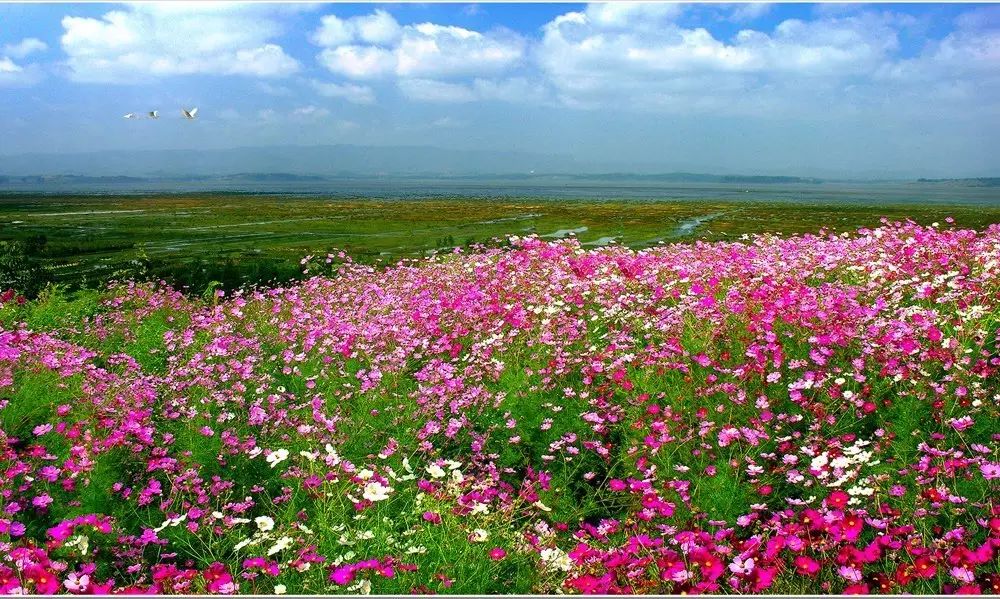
x,y
130,115
154,114
189,114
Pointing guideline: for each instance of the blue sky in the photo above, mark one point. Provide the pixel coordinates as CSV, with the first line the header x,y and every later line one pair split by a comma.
x,y
779,88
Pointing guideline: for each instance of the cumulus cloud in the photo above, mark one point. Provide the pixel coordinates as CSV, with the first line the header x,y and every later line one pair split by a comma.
x,y
377,28
25,47
376,46
145,41
358,62
638,56
429,50
357,94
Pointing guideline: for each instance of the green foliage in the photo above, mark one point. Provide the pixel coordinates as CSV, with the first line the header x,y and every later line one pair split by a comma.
x,y
19,270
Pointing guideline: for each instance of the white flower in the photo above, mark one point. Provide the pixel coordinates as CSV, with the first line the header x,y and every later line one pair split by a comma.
x,y
282,544
479,535
542,506
82,542
277,456
375,491
556,559
435,471
264,523
840,462
171,522
280,589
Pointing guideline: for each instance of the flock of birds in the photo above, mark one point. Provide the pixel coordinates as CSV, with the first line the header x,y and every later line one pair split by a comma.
x,y
155,114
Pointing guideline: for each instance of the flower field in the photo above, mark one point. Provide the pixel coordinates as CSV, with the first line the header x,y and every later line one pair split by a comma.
x,y
803,414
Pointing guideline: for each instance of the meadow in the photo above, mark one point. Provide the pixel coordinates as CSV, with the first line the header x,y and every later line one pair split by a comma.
x,y
811,412
194,241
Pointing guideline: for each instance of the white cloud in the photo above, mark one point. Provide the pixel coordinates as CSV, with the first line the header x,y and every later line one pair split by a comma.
x,y
430,50
161,39
357,94
749,11
377,28
23,48
636,57
8,66
333,31
964,51
375,46
16,75
358,62
631,14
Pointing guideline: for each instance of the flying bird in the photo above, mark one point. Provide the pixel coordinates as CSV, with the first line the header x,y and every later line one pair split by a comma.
x,y
189,114
130,115
154,114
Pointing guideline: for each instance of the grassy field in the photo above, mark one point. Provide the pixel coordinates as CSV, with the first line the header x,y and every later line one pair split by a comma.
x,y
235,239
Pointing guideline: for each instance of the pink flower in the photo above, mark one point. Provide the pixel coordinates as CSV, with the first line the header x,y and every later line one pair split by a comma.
x,y
497,553
838,499
806,565
45,582
741,566
77,582
218,579
343,575
961,424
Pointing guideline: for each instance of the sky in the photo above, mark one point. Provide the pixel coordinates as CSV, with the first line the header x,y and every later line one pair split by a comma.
x,y
802,89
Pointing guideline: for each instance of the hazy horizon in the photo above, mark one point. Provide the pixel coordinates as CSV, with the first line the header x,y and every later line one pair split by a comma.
x,y
831,91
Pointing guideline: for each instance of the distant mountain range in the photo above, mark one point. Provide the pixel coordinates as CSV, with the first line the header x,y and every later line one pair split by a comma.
x,y
330,160
970,182
293,178
67,181
279,164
